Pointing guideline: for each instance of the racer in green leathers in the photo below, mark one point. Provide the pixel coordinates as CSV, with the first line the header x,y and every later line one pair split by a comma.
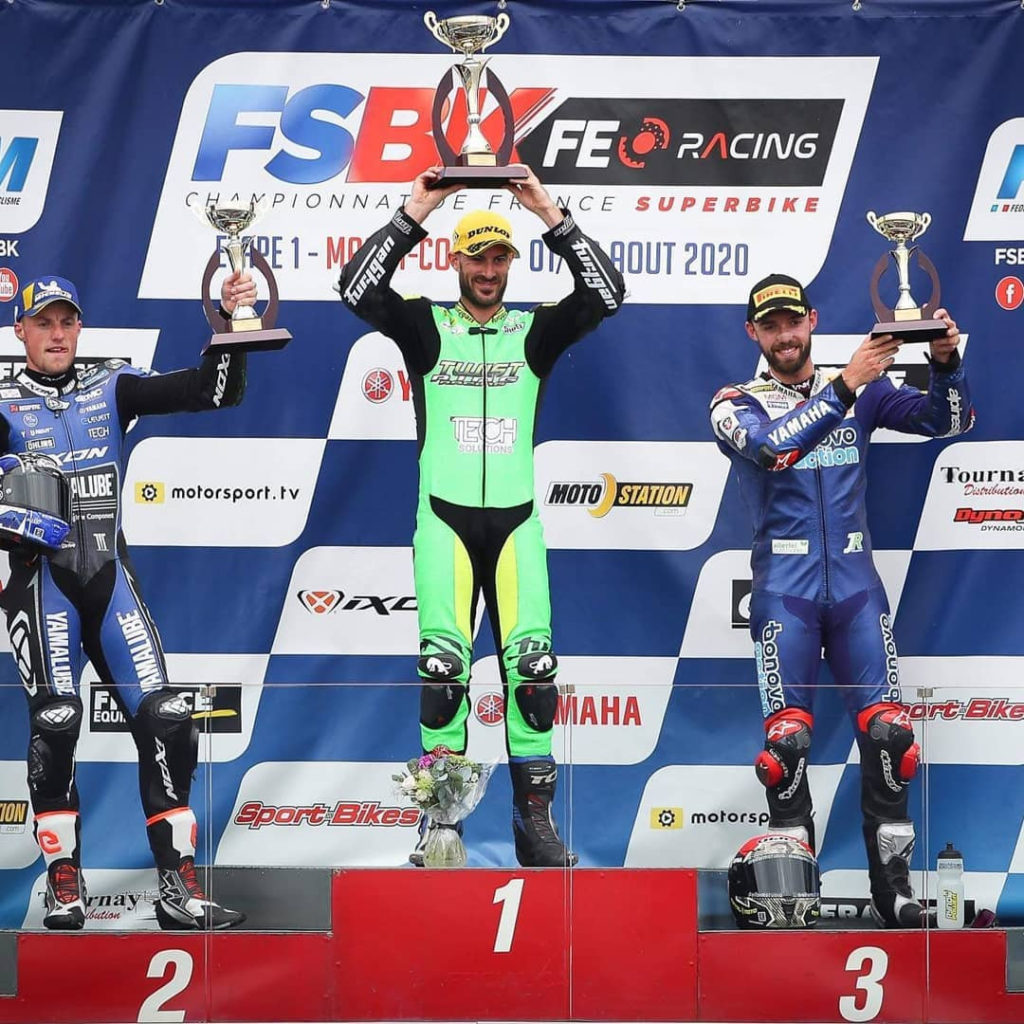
x,y
477,372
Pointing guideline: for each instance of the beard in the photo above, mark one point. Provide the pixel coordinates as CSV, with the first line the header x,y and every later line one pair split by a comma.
x,y
790,363
469,293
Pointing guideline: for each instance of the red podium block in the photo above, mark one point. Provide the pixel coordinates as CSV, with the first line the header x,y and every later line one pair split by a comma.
x,y
118,976
532,944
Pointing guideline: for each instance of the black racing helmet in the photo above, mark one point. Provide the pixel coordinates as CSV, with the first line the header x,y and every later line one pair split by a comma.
x,y
774,883
35,501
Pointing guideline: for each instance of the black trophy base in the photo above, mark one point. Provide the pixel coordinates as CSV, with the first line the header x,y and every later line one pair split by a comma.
x,y
911,330
248,341
481,177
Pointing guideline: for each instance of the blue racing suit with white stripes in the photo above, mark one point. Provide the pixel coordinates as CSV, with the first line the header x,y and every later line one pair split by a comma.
x,y
800,461
84,597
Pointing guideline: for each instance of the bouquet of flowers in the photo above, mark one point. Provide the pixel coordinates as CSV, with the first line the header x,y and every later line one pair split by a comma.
x,y
446,787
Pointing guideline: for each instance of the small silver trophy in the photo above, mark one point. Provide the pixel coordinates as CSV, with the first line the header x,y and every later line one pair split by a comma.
x,y
476,165
906,320
247,330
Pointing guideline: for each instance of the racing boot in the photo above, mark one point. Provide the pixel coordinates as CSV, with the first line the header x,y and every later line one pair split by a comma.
x,y
533,790
184,905
890,845
65,896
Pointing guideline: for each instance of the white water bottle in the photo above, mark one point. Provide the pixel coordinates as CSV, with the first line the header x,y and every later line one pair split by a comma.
x,y
951,888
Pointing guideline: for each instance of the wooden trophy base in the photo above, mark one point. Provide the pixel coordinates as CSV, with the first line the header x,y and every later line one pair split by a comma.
x,y
911,330
248,341
481,177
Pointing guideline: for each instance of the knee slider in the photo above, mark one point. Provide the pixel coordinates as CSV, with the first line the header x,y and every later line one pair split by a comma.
x,y
440,666
537,703
787,744
538,665
51,757
889,737
440,704
165,713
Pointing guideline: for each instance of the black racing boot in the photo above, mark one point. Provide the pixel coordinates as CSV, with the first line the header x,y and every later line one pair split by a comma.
x,y
184,905
65,896
533,790
890,845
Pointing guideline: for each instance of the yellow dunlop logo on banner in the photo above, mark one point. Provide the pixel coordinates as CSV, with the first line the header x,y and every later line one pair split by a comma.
x,y
149,492
666,817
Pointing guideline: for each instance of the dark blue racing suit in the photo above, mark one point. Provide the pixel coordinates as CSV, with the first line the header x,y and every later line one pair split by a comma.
x,y
801,468
84,596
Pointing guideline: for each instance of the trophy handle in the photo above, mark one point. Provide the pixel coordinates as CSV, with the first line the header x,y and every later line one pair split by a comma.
x,y
444,149
497,90
926,219
501,23
882,311
269,315
928,309
430,20
449,158
886,313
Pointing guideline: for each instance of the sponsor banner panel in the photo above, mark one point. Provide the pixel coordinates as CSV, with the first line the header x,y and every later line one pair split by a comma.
x,y
833,351
17,847
688,195
976,712
997,210
243,491
719,622
975,498
636,495
223,691
610,710
319,813
375,398
28,142
350,600
698,816
116,900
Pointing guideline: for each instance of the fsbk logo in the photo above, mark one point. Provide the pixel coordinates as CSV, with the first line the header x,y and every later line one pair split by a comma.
x,y
394,120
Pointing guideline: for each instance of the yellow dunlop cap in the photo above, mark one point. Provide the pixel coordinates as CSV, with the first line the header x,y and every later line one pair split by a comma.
x,y
481,229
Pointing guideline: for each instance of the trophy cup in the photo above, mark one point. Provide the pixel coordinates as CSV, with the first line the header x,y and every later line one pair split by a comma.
x,y
247,331
906,320
476,165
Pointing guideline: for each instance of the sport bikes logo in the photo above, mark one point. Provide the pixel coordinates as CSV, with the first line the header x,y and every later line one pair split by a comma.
x,y
256,815
715,142
288,132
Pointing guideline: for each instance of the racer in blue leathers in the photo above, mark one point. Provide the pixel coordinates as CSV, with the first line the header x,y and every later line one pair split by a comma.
x,y
797,438
84,598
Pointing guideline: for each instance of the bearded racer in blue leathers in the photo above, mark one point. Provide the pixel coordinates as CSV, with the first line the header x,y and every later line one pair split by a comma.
x,y
797,439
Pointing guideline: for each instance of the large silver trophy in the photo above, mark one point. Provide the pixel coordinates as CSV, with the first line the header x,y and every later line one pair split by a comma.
x,y
247,330
906,320
476,165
